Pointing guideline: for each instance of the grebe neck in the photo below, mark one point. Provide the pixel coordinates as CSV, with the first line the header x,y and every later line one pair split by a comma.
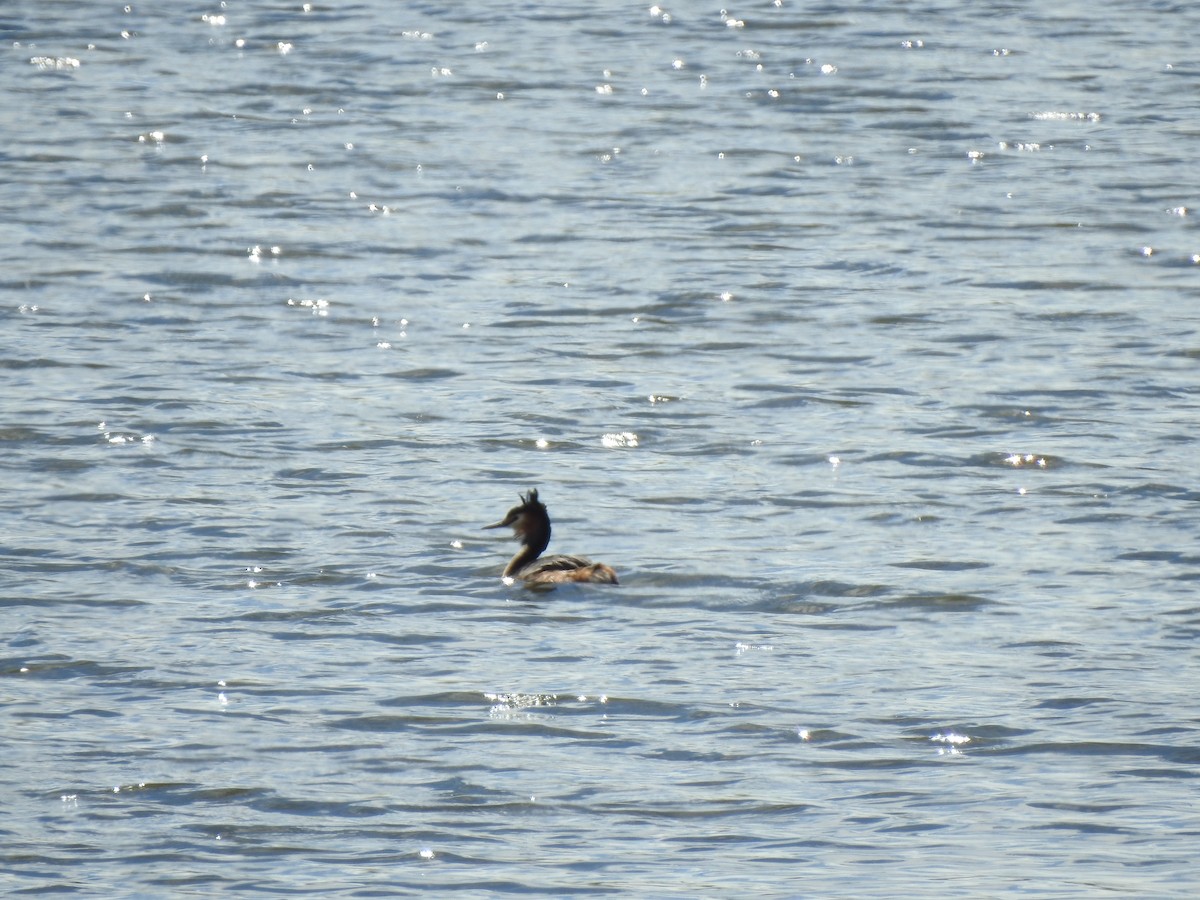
x,y
533,543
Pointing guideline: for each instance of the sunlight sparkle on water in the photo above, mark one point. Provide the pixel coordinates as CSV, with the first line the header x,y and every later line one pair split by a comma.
x,y
506,704
741,647
54,63
319,307
1027,459
619,440
952,741
1056,116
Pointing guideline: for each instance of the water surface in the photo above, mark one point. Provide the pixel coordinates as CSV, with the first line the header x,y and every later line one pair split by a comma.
x,y
862,343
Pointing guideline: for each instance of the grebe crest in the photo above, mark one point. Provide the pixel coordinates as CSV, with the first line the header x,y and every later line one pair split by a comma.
x,y
531,527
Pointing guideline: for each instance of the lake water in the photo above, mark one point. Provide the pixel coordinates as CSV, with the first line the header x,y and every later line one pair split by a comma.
x,y
862,340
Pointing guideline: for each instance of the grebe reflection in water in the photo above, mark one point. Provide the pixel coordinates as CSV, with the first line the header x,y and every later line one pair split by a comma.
x,y
531,526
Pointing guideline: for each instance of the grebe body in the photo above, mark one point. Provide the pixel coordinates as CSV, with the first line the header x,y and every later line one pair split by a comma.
x,y
531,526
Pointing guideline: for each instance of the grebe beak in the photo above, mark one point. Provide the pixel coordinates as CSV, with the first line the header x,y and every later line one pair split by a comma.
x,y
507,520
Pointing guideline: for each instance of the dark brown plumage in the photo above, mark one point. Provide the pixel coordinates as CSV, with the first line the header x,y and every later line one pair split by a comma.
x,y
531,526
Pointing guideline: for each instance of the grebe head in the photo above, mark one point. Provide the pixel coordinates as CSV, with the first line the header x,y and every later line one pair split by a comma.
x,y
530,522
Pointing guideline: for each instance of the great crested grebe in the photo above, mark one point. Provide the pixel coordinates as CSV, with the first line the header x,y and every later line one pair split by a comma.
x,y
531,526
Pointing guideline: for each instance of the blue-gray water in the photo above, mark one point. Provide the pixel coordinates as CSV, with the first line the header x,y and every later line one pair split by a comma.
x,y
862,341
